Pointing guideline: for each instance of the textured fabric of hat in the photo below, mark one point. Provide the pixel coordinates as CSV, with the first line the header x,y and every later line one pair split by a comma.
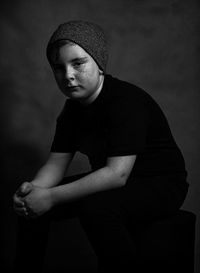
x,y
88,35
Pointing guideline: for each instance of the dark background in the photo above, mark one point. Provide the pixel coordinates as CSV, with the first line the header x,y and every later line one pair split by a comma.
x,y
154,44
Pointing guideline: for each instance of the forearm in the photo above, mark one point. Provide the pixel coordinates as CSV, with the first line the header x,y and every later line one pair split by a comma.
x,y
48,176
53,171
100,180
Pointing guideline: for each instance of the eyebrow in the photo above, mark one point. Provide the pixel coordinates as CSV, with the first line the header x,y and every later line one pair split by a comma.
x,y
79,59
73,60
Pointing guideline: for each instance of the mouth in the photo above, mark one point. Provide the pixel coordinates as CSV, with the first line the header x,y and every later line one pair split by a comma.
x,y
71,87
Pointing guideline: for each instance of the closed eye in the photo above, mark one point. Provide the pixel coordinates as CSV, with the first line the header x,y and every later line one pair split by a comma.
x,y
79,62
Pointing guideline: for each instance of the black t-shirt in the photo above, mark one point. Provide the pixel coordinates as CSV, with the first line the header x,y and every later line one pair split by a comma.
x,y
123,120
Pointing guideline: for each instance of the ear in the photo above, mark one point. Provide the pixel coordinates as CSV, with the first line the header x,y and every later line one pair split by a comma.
x,y
101,72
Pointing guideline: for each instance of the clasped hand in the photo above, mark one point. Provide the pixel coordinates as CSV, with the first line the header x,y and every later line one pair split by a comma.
x,y
32,201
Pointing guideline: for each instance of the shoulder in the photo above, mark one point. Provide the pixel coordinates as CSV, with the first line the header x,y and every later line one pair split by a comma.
x,y
125,91
128,94
123,94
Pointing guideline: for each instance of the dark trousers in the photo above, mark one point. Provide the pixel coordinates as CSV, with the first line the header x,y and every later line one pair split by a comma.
x,y
111,220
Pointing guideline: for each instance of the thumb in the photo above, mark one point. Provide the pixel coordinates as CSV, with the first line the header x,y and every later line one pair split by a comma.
x,y
25,188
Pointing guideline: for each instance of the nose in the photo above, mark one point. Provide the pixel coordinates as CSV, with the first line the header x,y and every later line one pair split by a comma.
x,y
69,73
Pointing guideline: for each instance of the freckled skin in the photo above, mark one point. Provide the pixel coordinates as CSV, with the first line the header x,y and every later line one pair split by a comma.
x,y
77,74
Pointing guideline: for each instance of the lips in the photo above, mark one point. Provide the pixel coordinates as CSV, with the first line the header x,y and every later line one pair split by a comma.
x,y
72,86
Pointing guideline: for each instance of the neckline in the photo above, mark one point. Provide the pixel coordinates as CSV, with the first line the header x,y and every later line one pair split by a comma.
x,y
100,96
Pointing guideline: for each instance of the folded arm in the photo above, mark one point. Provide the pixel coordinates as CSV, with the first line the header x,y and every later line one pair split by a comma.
x,y
113,175
44,195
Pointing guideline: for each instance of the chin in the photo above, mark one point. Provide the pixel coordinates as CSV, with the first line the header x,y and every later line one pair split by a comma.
x,y
75,96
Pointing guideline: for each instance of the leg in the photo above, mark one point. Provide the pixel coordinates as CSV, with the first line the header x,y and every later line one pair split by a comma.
x,y
32,236
111,242
151,199
105,227
112,219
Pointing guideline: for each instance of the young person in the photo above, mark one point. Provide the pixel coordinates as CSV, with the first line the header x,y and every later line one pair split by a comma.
x,y
137,170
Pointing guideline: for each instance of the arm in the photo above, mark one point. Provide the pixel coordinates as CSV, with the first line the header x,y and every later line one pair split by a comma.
x,y
48,176
53,171
113,175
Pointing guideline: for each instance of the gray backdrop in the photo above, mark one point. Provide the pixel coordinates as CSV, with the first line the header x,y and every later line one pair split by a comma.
x,y
154,44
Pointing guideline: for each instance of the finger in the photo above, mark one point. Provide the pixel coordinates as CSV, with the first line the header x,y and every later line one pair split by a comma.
x,y
18,201
19,208
21,211
24,189
18,205
29,214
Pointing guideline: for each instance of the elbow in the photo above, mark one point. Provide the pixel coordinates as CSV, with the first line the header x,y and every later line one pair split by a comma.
x,y
122,179
119,178
121,167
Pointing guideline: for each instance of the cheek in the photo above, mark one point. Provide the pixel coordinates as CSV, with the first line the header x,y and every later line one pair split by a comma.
x,y
91,73
91,79
87,76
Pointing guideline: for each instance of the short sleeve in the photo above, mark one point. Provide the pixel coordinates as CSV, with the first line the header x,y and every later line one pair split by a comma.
x,y
64,140
127,127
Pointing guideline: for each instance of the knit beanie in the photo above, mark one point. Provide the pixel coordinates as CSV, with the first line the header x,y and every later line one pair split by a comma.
x,y
87,35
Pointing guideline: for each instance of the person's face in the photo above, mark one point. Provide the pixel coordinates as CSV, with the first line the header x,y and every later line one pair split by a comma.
x,y
77,74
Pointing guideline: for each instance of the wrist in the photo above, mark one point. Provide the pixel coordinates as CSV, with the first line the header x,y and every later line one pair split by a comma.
x,y
34,183
37,183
